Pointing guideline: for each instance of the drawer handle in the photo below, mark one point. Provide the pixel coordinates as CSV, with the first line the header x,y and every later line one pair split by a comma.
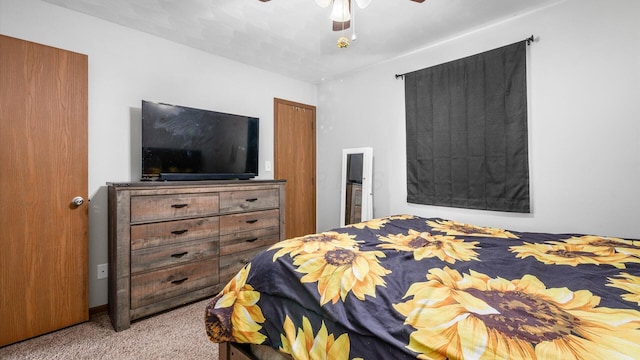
x,y
178,282
251,240
251,200
179,206
251,221
179,232
179,255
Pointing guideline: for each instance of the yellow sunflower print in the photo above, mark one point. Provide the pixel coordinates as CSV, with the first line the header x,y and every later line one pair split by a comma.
x,y
455,228
314,243
473,316
622,246
573,254
628,283
340,271
377,224
401,217
246,315
424,245
304,345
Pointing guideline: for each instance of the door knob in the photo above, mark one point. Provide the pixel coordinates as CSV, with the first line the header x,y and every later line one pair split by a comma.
x,y
77,201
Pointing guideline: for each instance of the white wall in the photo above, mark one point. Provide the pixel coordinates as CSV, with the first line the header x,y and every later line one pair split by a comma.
x,y
584,124
126,66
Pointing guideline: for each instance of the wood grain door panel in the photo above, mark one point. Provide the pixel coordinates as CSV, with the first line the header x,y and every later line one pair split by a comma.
x,y
43,157
295,161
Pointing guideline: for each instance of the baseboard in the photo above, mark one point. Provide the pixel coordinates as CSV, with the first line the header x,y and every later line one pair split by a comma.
x,y
101,309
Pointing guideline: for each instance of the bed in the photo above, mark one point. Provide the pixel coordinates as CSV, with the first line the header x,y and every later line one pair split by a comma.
x,y
429,288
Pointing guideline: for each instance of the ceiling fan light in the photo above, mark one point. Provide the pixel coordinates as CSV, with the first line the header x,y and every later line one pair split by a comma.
x,y
340,11
363,3
323,3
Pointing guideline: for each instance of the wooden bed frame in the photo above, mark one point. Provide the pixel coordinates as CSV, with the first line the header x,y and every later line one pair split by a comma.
x,y
233,351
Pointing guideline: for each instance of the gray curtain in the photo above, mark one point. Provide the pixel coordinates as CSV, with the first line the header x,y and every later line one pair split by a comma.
x,y
467,132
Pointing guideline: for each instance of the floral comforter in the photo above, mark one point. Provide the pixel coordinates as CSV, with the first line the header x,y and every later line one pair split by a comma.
x,y
410,287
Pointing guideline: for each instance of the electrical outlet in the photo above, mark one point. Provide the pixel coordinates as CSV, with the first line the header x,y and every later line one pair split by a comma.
x,y
103,271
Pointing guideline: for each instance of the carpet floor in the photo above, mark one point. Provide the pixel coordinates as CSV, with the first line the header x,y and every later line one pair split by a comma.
x,y
176,334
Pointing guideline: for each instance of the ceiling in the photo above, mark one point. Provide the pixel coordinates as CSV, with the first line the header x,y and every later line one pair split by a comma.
x,y
294,37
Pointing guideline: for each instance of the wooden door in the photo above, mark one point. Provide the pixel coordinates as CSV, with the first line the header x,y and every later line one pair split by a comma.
x,y
295,161
43,166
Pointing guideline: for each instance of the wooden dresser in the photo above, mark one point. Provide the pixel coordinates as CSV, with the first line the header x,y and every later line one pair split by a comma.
x,y
171,243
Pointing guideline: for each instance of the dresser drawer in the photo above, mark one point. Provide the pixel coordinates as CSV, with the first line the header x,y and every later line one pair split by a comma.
x,y
161,256
155,286
249,221
169,207
248,200
171,232
247,240
232,263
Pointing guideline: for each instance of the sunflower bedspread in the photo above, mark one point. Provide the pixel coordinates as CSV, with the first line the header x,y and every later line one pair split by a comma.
x,y
410,287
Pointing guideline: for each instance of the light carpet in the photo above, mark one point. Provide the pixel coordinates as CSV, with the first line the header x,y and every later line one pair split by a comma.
x,y
176,334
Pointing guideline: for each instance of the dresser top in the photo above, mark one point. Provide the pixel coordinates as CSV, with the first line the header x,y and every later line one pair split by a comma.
x,y
151,184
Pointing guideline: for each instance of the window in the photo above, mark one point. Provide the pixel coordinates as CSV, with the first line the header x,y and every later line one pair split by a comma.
x,y
466,124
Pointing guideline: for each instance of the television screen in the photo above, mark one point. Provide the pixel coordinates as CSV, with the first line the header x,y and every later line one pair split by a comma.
x,y
182,143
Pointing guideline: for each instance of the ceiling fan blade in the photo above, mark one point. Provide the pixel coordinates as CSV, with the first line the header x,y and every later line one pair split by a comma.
x,y
418,1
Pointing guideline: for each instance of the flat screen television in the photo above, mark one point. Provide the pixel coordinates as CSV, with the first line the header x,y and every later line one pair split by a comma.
x,y
183,143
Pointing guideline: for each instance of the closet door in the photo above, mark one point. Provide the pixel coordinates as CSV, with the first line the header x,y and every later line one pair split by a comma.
x,y
43,167
295,161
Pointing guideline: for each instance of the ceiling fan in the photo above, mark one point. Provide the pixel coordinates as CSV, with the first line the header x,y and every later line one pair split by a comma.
x,y
341,11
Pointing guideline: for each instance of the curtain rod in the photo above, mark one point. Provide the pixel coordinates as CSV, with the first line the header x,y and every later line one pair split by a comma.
x,y
529,40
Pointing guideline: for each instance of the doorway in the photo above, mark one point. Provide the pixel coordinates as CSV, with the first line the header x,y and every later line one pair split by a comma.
x,y
295,161
43,184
